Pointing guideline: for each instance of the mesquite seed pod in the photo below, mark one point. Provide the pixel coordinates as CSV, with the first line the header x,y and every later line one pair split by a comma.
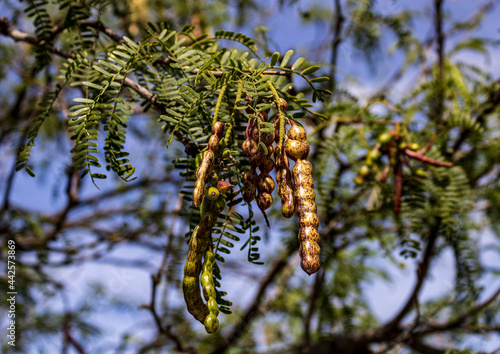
x,y
202,174
213,144
285,187
264,200
218,129
207,282
284,104
267,165
200,240
249,185
265,183
249,147
190,283
257,159
297,149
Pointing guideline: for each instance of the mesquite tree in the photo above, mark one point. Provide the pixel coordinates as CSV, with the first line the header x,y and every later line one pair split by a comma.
x,y
164,136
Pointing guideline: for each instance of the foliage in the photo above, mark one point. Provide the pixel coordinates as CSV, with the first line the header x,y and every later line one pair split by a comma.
x,y
403,178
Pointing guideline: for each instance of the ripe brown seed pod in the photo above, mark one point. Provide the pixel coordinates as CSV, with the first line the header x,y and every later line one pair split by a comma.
x,y
297,148
285,187
249,147
265,183
267,165
213,144
202,175
264,200
249,185
218,129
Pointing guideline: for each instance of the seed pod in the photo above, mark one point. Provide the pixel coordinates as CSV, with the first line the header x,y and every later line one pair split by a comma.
x,y
265,183
202,174
249,185
268,165
218,129
213,144
249,147
264,200
207,282
224,186
285,187
200,240
297,148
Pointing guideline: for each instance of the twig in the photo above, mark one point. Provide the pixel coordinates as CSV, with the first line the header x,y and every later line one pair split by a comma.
x,y
421,275
252,311
427,160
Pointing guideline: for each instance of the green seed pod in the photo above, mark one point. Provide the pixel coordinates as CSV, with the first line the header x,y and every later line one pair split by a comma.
x,y
200,245
192,269
359,180
297,149
403,146
214,178
211,323
226,154
212,193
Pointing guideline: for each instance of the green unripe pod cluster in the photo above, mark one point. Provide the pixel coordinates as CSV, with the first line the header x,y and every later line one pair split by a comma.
x,y
211,322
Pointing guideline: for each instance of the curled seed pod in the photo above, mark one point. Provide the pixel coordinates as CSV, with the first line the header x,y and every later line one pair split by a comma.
x,y
249,185
212,193
200,240
297,149
202,174
285,187
264,200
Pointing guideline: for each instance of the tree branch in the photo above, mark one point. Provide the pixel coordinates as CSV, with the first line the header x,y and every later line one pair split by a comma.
x,y
252,311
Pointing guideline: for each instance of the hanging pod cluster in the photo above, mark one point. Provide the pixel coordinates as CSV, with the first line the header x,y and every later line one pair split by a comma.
x,y
209,195
295,188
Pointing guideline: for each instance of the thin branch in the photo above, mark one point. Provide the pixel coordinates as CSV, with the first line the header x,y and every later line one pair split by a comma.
x,y
337,39
440,327
421,275
252,311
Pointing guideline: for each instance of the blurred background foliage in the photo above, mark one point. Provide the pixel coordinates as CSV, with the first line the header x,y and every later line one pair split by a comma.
x,y
410,248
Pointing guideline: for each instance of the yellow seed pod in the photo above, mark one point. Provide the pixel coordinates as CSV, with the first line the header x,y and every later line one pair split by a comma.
x,y
297,149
